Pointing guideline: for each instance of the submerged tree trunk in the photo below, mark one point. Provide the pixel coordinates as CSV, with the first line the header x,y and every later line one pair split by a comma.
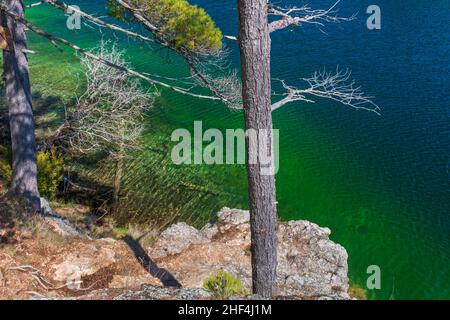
x,y
254,40
18,98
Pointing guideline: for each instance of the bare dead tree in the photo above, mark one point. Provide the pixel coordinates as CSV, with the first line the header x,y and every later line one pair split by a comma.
x,y
109,114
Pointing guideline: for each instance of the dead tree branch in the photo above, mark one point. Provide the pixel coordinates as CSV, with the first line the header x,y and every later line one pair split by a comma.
x,y
34,4
295,16
64,7
336,86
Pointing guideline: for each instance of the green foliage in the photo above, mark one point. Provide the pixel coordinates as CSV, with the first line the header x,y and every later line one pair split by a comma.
x,y
224,285
50,169
5,171
5,165
185,27
121,231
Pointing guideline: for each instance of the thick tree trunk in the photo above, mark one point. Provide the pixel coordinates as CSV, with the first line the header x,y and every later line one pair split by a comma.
x,y
254,40
21,120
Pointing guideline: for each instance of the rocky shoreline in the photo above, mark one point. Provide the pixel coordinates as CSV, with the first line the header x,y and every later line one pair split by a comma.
x,y
310,265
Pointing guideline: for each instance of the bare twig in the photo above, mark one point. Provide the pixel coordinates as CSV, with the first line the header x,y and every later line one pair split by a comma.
x,y
35,273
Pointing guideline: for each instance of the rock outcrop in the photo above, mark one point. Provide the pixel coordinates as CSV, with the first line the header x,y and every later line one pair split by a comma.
x,y
310,265
54,266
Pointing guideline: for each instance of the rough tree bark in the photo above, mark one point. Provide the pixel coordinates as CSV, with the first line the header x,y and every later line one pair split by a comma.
x,y
18,98
254,41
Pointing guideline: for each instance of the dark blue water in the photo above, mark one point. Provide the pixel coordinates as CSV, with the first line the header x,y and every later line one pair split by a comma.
x,y
381,183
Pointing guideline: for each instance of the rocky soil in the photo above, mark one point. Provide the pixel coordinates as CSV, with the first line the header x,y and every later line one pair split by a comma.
x,y
66,265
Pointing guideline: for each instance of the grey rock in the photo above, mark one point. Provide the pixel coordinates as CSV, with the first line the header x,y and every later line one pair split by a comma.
x,y
310,265
175,239
229,217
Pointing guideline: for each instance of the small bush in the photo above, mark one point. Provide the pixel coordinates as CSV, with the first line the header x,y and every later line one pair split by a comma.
x,y
5,172
5,165
356,292
50,167
224,285
50,170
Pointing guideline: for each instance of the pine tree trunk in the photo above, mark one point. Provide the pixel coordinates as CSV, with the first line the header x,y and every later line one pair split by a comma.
x,y
254,40
21,120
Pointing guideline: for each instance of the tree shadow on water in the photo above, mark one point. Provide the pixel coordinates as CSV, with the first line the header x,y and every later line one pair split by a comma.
x,y
166,278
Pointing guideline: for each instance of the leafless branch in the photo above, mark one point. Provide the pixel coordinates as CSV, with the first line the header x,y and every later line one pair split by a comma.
x,y
216,73
34,4
228,86
336,86
64,7
295,16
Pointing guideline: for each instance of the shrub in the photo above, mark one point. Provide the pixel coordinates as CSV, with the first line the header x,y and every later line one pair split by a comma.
x,y
224,285
5,172
5,165
356,292
50,169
